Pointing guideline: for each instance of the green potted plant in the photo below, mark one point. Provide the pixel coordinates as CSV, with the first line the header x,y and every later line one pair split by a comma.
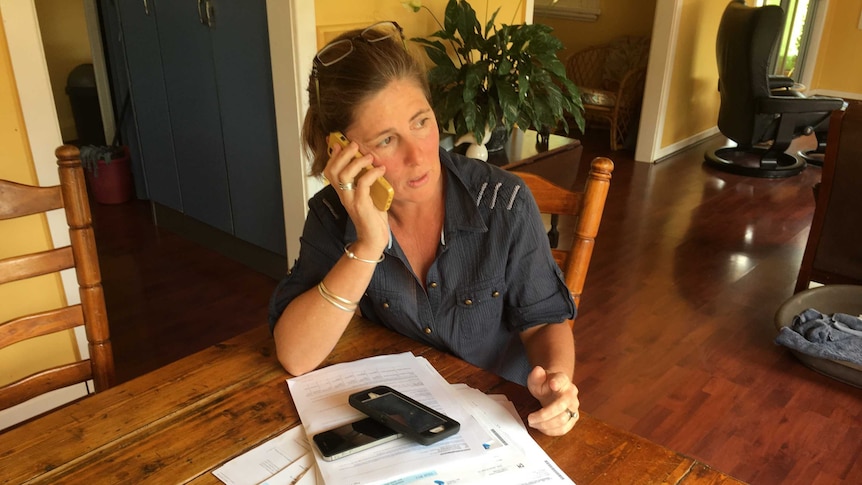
x,y
506,76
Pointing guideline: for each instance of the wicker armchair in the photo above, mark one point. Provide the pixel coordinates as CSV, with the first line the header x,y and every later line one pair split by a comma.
x,y
611,79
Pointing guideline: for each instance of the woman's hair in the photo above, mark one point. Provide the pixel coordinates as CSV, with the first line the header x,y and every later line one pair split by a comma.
x,y
345,84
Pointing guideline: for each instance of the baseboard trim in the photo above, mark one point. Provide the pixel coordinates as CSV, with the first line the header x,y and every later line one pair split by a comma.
x,y
679,146
259,259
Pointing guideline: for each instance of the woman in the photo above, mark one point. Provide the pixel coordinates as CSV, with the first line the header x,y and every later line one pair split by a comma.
x,y
460,261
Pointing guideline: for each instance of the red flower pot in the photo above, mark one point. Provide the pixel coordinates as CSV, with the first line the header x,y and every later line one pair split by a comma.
x,y
112,182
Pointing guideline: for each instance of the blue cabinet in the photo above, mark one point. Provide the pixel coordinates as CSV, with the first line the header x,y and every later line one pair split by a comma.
x,y
201,91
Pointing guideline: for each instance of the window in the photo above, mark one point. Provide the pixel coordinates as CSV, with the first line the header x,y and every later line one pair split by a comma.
x,y
789,57
584,10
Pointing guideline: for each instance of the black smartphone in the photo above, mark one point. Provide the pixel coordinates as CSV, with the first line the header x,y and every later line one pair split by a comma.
x,y
352,438
405,415
382,192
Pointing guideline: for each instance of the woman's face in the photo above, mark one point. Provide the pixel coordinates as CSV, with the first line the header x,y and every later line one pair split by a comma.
x,y
398,128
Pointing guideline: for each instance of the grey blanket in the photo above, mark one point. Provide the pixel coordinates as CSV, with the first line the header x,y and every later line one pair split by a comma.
x,y
837,336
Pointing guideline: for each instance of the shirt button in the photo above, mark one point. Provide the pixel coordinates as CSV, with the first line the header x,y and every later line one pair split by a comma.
x,y
428,330
495,294
433,284
386,306
468,301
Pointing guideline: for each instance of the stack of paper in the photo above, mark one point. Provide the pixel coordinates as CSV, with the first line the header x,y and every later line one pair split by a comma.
x,y
492,446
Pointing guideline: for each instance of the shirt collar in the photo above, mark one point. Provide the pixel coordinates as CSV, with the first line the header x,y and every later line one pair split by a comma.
x,y
462,214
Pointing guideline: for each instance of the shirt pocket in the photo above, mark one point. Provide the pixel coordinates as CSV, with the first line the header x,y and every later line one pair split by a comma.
x,y
479,308
391,307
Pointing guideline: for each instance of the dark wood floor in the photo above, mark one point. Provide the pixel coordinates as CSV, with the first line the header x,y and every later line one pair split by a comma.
x,y
674,334
166,296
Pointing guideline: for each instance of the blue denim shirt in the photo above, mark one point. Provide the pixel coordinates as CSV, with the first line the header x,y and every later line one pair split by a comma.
x,y
493,276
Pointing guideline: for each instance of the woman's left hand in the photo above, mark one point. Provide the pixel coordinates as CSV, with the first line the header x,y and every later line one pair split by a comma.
x,y
559,398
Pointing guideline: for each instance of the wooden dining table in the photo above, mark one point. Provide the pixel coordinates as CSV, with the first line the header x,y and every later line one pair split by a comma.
x,y
179,423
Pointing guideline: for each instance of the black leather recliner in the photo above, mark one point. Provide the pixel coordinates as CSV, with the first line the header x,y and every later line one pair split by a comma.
x,y
755,107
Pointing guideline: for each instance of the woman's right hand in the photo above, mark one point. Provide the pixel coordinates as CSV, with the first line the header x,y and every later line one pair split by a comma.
x,y
372,225
299,327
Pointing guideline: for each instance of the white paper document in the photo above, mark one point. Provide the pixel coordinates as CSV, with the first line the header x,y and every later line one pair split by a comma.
x,y
295,473
513,453
492,446
266,460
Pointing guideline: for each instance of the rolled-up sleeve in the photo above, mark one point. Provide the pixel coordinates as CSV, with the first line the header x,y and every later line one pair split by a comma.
x,y
537,289
320,247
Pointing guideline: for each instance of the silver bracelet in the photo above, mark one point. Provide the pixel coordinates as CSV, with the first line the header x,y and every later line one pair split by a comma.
x,y
332,299
351,255
326,291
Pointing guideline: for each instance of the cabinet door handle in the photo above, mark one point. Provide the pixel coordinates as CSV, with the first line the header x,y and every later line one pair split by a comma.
x,y
210,13
201,12
206,13
146,7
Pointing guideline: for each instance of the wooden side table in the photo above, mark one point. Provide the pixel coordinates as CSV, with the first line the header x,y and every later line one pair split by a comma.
x,y
524,147
559,162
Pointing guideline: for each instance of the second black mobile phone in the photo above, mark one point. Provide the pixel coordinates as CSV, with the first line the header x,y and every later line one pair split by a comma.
x,y
352,438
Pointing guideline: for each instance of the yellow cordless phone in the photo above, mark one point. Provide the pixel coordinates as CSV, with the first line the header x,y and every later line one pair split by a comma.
x,y
381,192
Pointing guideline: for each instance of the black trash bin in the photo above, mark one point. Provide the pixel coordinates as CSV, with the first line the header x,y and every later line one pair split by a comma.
x,y
81,89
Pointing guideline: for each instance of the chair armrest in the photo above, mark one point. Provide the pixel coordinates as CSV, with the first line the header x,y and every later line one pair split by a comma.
x,y
784,104
780,82
632,86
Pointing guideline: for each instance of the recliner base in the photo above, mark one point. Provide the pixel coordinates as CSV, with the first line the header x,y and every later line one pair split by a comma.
x,y
812,157
754,162
815,156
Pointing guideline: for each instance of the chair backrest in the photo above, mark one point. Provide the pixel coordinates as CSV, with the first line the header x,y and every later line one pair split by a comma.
x,y
584,209
833,254
745,40
605,66
584,68
18,200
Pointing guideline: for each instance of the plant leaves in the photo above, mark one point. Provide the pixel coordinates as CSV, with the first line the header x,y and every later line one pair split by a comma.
x,y
509,74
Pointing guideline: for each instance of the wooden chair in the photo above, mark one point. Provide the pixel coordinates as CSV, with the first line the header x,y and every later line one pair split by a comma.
x,y
833,254
611,78
584,209
18,200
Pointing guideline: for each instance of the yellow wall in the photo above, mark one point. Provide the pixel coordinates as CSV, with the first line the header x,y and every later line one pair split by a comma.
x,y
336,16
694,101
64,37
617,19
838,65
16,164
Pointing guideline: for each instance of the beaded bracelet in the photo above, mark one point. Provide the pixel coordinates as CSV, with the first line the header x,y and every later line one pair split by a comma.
x,y
335,300
351,255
